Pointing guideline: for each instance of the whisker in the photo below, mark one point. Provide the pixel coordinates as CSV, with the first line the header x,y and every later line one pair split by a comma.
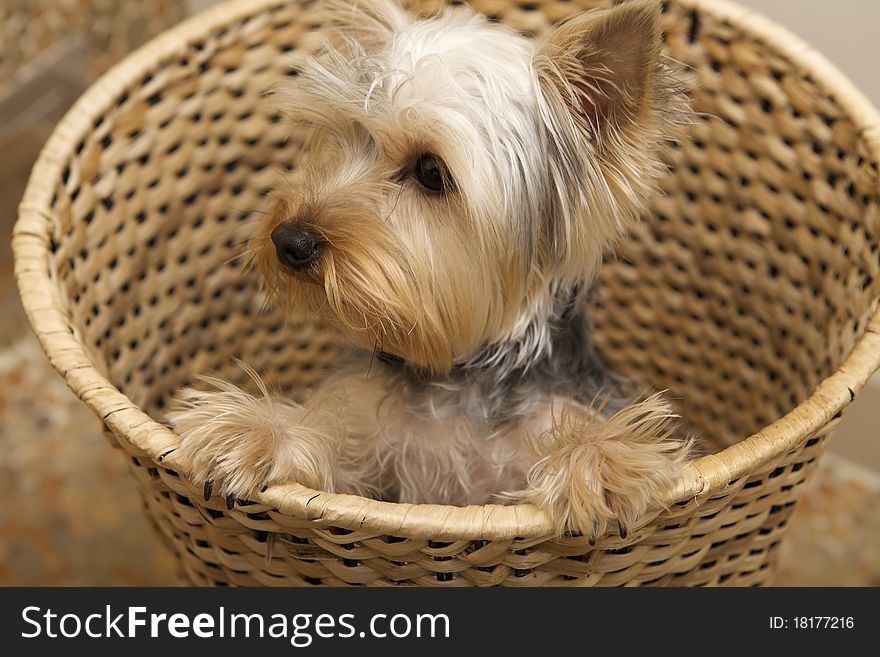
x,y
264,306
242,211
241,242
396,201
248,223
247,266
372,358
235,257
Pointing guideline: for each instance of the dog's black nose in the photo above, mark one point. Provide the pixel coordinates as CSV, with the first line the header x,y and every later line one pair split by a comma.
x,y
294,246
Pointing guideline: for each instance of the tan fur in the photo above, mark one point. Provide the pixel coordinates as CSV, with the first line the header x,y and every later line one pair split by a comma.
x,y
592,470
246,442
548,153
352,436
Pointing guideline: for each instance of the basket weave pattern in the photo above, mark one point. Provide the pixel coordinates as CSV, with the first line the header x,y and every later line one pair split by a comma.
x,y
749,291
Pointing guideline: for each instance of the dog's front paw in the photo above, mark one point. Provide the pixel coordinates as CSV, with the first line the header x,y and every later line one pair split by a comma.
x,y
237,444
597,475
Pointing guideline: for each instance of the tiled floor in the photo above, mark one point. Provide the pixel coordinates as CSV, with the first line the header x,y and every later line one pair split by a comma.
x,y
68,513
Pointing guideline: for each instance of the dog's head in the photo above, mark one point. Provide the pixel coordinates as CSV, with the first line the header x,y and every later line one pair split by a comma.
x,y
458,175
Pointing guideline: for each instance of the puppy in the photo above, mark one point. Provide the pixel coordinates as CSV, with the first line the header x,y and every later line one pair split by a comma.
x,y
448,214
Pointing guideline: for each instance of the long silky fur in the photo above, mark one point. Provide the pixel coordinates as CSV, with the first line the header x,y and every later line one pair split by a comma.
x,y
472,373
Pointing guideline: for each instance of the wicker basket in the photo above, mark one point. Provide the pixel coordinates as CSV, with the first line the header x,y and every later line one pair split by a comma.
x,y
750,292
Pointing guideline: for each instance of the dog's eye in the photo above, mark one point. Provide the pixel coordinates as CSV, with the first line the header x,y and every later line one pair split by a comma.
x,y
429,172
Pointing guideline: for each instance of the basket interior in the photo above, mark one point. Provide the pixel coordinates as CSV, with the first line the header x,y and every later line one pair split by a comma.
x,y
747,283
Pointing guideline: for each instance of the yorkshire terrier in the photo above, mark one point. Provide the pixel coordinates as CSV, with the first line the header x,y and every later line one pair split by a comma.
x,y
448,215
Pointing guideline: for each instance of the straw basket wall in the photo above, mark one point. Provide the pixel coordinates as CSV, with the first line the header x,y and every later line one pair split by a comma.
x,y
749,291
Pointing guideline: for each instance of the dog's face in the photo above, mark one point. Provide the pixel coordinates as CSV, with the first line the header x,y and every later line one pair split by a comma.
x,y
457,176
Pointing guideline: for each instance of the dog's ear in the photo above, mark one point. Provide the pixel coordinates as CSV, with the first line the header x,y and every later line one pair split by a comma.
x,y
612,102
370,21
604,64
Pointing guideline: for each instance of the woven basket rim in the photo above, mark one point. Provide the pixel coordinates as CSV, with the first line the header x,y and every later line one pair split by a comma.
x,y
44,306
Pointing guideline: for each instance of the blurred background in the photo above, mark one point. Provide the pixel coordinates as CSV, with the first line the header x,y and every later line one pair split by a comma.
x,y
69,514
